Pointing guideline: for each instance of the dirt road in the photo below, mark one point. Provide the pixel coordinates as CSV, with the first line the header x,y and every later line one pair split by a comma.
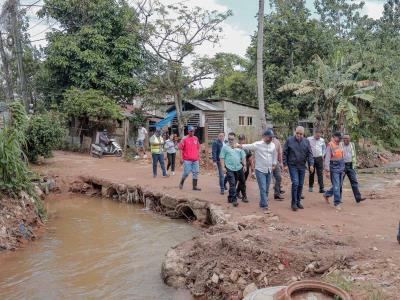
x,y
372,224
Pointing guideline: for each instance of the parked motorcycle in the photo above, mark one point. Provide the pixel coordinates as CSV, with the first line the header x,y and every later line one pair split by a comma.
x,y
113,148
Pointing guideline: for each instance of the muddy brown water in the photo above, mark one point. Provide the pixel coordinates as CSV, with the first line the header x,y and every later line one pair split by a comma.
x,y
94,249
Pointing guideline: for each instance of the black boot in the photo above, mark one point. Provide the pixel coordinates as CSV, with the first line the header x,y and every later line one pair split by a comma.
x,y
195,188
181,183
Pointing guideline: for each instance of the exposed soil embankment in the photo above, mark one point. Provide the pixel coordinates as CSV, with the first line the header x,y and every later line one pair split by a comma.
x,y
18,219
192,209
226,259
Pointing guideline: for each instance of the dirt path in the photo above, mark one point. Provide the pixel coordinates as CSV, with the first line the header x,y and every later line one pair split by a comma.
x,y
373,222
370,227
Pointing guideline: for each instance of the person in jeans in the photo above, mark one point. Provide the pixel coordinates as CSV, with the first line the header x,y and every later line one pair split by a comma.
x,y
334,169
249,164
190,150
171,147
277,173
266,160
216,151
142,133
234,160
296,154
350,162
156,147
318,149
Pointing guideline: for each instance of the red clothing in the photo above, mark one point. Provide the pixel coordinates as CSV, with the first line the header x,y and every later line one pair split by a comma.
x,y
190,148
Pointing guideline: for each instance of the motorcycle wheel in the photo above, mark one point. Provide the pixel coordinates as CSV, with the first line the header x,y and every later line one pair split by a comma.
x,y
118,153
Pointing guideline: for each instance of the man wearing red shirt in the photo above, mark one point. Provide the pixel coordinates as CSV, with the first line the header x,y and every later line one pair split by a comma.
x,y
190,151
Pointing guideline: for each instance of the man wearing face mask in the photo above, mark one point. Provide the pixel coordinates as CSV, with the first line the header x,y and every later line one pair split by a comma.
x,y
266,160
296,154
234,161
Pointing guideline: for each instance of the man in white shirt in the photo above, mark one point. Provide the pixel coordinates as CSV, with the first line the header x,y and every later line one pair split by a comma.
x,y
266,159
142,133
318,148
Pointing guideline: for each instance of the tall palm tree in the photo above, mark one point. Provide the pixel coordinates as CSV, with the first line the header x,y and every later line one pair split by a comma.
x,y
260,73
338,95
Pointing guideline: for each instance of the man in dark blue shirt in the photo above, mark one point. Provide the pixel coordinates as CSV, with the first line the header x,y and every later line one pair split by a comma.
x,y
296,153
216,150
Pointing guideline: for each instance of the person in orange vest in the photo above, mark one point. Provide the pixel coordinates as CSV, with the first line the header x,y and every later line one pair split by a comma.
x,y
334,168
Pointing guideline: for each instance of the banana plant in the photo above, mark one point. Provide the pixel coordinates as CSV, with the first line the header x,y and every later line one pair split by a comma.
x,y
337,92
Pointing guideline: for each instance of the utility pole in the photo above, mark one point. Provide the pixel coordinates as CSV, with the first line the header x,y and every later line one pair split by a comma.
x,y
7,77
260,73
16,33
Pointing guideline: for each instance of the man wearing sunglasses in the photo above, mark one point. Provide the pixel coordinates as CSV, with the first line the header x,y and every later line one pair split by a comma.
x,y
296,154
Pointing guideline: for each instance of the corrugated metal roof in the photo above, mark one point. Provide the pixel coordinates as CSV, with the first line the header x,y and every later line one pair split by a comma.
x,y
203,105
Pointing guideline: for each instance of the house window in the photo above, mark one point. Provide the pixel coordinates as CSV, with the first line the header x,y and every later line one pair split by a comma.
x,y
241,120
250,121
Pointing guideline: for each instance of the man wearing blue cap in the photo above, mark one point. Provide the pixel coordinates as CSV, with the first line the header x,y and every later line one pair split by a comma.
x,y
190,150
296,153
266,159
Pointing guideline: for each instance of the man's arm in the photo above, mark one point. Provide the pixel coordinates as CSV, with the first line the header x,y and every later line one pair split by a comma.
x,y
214,149
310,156
274,158
285,153
327,161
251,147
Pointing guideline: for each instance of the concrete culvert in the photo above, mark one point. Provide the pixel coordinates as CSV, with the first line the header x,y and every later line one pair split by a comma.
x,y
112,193
184,210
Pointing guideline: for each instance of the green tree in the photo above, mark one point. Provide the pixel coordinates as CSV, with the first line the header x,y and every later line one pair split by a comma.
x,y
97,47
173,33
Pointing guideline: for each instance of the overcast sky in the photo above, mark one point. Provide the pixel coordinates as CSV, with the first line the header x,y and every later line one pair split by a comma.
x,y
237,29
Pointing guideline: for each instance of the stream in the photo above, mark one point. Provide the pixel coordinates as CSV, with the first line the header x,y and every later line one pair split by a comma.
x,y
94,249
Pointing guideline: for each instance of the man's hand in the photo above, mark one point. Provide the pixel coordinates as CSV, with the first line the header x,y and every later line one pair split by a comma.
x,y
244,169
286,168
327,174
311,169
238,146
181,161
273,167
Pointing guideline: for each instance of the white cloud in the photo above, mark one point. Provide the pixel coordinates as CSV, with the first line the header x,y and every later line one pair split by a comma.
x,y
373,9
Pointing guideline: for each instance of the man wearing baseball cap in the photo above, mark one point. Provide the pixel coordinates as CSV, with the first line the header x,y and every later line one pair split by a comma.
x,y
266,160
296,154
334,168
190,157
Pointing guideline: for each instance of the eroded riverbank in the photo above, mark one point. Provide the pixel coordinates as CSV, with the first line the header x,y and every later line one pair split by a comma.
x,y
94,249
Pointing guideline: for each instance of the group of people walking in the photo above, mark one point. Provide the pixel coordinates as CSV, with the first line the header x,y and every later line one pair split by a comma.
x,y
235,160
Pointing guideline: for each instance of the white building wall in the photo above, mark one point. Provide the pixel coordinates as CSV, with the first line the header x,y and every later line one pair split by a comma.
x,y
232,113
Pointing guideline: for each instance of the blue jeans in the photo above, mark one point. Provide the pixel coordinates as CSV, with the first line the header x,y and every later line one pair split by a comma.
x,y
336,189
263,180
221,176
352,174
158,158
191,167
297,177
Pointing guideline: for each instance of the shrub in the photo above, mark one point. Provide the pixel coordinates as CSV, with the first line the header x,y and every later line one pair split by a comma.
x,y
45,133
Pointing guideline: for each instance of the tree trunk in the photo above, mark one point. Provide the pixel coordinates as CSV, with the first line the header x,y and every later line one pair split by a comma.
x,y
7,77
260,73
179,117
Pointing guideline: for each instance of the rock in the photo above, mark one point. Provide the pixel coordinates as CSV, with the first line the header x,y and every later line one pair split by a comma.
x,y
375,249
275,218
294,278
241,281
266,282
215,278
261,276
249,289
281,267
234,276
173,270
257,272
39,192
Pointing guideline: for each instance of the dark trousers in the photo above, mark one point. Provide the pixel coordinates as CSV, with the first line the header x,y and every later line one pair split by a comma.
x,y
277,173
319,169
158,158
221,176
235,178
352,175
171,161
297,177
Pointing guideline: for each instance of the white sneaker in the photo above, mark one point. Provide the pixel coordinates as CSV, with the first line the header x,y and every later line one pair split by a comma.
x,y
145,156
136,157
173,173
